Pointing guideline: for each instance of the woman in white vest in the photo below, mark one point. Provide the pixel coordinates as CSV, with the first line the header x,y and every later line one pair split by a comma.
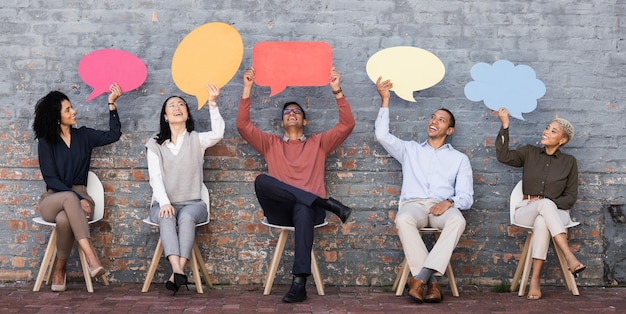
x,y
175,162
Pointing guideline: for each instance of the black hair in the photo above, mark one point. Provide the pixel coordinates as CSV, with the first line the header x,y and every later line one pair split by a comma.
x,y
165,133
48,116
452,120
293,103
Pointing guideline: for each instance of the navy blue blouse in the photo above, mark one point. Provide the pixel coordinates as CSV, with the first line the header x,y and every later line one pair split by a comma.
x,y
63,166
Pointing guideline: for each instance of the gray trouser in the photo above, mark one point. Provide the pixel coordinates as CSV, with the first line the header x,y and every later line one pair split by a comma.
x,y
187,215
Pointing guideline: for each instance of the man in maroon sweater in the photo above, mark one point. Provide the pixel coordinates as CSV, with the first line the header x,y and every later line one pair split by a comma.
x,y
293,192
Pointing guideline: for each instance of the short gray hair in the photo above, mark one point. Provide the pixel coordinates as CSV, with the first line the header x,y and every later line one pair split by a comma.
x,y
568,128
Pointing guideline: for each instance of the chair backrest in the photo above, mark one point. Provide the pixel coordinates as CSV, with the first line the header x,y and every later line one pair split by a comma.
x,y
207,201
516,196
96,191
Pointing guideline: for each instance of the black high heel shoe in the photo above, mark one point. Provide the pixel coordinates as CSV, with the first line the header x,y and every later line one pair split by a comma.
x,y
180,280
171,286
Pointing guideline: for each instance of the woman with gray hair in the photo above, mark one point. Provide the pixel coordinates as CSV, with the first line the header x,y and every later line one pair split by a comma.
x,y
550,187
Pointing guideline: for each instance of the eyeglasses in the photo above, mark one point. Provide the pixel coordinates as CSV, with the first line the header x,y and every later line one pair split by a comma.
x,y
295,110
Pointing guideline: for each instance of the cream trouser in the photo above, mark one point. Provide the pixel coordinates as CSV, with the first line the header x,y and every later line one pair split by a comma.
x,y
547,221
413,215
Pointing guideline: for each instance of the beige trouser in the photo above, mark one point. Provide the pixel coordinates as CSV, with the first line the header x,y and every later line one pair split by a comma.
x,y
547,221
64,209
413,215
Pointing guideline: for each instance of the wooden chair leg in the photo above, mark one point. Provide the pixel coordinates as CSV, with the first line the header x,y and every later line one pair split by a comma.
x,y
46,263
520,265
85,266
319,284
153,266
196,271
51,264
278,252
568,278
203,269
397,281
527,263
404,274
452,281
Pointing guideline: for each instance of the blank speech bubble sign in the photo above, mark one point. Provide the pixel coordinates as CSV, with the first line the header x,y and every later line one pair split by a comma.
x,y
100,68
291,63
503,84
409,69
210,53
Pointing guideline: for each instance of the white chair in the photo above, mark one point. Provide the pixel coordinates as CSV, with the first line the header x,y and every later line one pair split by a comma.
x,y
96,191
525,260
278,252
403,273
197,263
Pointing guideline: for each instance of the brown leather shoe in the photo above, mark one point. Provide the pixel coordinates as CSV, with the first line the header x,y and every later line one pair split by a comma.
x,y
416,289
434,295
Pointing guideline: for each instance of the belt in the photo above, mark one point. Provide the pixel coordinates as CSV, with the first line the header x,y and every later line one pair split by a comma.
x,y
528,197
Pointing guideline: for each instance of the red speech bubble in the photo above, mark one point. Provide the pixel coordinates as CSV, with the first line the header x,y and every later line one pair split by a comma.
x,y
100,68
282,64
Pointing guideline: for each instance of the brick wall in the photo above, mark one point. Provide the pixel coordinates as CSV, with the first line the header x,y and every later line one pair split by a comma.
x,y
576,48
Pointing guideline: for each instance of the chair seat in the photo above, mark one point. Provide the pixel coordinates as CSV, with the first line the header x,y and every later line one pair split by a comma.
x,y
278,252
96,191
403,273
290,228
197,262
571,224
523,267
154,224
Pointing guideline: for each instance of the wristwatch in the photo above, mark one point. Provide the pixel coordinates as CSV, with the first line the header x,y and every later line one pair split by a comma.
x,y
450,200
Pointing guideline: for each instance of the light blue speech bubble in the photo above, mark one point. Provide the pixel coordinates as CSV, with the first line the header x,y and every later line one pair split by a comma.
x,y
503,84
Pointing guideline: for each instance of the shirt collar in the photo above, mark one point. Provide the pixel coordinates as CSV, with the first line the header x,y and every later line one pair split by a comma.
x,y
555,155
446,145
301,139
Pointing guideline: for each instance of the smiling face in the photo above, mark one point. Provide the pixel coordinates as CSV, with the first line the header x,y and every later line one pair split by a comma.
x,y
553,135
176,111
293,117
68,114
439,125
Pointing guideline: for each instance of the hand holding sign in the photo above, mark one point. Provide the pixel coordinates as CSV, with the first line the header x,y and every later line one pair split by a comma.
x,y
282,64
102,67
409,68
209,53
505,85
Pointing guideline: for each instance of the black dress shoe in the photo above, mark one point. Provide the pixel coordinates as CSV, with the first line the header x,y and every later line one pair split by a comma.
x,y
297,292
334,206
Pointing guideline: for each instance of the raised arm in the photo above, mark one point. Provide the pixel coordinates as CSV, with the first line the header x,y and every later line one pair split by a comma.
x,y
210,138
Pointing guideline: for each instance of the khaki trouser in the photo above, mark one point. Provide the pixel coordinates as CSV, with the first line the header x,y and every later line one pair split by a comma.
x,y
413,215
547,221
64,209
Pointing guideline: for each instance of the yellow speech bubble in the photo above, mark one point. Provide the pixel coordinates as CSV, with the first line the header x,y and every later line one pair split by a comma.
x,y
210,53
409,69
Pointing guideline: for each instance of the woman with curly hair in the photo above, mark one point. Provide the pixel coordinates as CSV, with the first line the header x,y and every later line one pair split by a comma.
x,y
64,154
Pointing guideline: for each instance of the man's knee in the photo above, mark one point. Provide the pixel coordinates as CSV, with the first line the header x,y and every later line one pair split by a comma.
x,y
458,221
261,180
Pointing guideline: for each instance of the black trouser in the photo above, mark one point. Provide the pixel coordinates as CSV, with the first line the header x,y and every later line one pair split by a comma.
x,y
286,205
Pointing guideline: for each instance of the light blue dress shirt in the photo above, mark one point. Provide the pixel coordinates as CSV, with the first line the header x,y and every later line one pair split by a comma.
x,y
428,173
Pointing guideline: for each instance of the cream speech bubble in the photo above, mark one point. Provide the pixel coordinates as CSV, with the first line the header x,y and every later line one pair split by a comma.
x,y
210,53
409,69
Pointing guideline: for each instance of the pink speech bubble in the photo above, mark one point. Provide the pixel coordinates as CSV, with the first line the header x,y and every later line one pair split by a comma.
x,y
282,64
100,68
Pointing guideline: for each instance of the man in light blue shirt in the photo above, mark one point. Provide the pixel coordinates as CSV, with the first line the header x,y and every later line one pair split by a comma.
x,y
436,185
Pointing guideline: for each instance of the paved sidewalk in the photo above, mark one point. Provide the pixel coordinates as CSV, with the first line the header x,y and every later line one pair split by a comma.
x,y
127,298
